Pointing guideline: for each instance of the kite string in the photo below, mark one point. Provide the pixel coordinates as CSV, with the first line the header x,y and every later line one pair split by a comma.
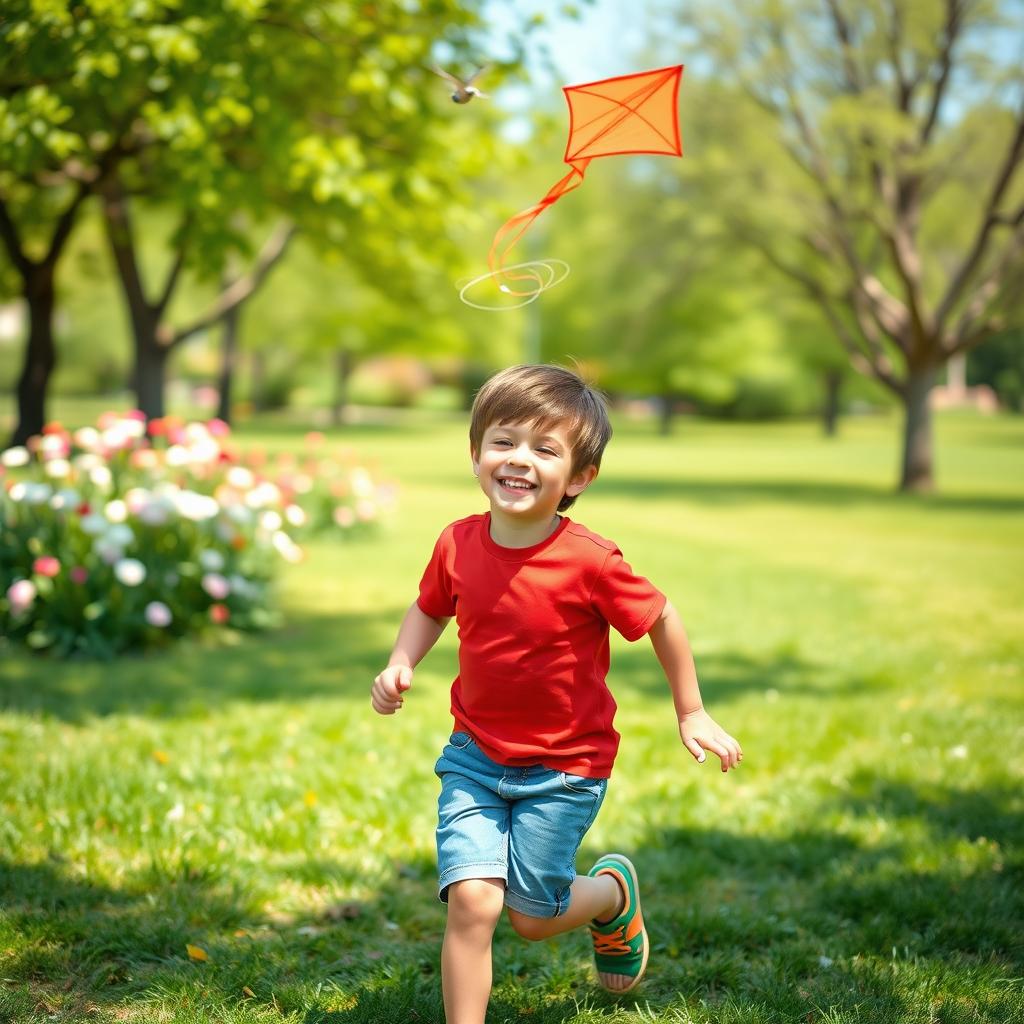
x,y
522,220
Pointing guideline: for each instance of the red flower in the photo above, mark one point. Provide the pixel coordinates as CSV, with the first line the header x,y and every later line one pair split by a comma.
x,y
219,613
79,574
84,509
46,565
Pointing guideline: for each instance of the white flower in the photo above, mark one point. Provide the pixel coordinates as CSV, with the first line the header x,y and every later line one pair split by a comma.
x,y
52,446
66,497
100,476
107,551
264,494
120,534
303,483
115,438
959,752
16,456
21,594
17,491
88,461
216,586
135,500
240,478
197,507
177,456
116,511
270,520
158,614
37,494
156,512
57,468
130,571
362,483
131,427
205,450
286,547
93,524
295,515
177,812
87,437
211,560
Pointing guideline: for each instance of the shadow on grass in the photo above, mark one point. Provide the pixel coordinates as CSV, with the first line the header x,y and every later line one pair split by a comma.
x,y
754,928
313,656
732,675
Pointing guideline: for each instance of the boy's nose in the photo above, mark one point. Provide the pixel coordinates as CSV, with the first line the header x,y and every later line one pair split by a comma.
x,y
520,456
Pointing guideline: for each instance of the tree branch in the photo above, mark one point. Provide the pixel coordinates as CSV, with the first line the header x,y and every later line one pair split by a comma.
x,y
12,240
990,219
954,11
176,267
234,295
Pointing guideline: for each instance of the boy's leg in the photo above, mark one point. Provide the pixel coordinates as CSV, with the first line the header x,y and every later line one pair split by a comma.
x,y
589,898
474,907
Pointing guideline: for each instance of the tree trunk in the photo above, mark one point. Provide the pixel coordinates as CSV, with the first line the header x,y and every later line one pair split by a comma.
x,y
257,376
150,373
229,361
344,363
667,406
833,380
40,354
917,431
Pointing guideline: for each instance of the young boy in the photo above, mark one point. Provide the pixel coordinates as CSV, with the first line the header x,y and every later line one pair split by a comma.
x,y
526,769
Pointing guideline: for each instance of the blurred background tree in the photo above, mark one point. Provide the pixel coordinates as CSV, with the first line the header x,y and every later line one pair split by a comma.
x,y
870,153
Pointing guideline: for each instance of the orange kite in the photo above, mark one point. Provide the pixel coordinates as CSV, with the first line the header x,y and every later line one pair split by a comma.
x,y
616,116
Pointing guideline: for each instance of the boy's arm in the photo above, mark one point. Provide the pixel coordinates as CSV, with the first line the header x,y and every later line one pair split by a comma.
x,y
697,729
417,634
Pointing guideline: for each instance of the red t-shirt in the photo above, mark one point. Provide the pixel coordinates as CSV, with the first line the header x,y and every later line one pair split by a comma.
x,y
533,640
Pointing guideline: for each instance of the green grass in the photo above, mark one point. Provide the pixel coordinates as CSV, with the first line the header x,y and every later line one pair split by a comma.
x,y
865,864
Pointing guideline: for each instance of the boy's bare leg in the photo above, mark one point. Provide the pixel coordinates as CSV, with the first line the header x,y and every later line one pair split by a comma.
x,y
589,898
474,907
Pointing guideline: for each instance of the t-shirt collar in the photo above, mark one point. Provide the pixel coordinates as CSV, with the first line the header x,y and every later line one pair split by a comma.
x,y
518,554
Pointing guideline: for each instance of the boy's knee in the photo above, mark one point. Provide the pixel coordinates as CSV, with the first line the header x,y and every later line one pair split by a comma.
x,y
532,928
476,900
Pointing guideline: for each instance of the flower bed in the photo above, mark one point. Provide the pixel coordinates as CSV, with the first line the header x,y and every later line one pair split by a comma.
x,y
125,535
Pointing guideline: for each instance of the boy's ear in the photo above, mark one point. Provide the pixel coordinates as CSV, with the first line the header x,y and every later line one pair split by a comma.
x,y
581,481
475,460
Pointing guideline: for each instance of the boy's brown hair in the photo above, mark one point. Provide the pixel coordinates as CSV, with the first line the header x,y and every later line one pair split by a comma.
x,y
543,395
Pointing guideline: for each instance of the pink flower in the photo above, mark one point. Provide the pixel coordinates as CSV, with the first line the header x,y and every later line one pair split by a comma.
x,y
158,614
46,565
21,594
219,613
79,574
218,428
216,586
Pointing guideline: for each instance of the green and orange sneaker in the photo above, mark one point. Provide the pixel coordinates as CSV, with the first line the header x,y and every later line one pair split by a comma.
x,y
620,945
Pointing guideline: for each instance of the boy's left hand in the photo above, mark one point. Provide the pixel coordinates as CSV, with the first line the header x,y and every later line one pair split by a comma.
x,y
700,732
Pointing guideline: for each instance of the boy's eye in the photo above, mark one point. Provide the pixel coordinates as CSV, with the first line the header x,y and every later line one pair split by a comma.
x,y
547,451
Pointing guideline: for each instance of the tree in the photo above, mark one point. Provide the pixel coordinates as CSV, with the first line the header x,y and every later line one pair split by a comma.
x,y
873,160
316,114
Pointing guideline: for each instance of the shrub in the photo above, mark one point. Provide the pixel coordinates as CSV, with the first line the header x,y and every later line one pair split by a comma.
x,y
123,537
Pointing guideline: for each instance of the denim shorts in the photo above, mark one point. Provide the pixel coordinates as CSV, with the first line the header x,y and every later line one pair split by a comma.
x,y
521,824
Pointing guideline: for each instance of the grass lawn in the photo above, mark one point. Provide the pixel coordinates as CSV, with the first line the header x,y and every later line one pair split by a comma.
x,y
866,862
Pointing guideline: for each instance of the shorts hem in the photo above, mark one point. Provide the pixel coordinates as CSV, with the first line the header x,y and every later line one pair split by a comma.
x,y
488,869
535,908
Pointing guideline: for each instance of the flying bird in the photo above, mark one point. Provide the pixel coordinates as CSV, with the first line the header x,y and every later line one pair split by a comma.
x,y
464,91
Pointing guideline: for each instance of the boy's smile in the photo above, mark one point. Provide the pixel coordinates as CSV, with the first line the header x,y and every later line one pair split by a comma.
x,y
525,471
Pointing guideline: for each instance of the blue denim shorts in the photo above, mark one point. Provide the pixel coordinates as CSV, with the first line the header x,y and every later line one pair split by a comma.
x,y
523,825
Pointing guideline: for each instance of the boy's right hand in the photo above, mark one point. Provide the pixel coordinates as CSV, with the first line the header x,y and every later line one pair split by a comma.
x,y
388,687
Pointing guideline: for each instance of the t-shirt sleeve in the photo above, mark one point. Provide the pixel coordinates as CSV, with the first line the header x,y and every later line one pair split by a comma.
x,y
630,603
436,597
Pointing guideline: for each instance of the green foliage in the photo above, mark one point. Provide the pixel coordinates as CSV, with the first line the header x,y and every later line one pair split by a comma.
x,y
1000,364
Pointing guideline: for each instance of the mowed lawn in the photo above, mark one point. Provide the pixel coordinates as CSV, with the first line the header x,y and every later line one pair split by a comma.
x,y
864,864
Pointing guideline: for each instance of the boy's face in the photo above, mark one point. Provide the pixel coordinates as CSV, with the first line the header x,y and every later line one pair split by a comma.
x,y
525,470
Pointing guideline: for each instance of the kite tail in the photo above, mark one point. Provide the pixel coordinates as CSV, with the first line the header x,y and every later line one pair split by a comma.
x,y
506,237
